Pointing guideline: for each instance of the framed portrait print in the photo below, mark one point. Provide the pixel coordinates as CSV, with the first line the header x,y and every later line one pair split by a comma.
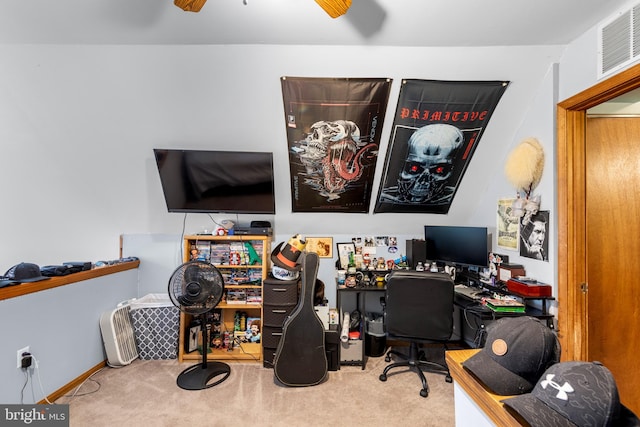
x,y
344,251
323,246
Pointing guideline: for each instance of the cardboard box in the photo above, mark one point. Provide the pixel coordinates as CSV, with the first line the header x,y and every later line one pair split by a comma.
x,y
351,351
507,271
323,313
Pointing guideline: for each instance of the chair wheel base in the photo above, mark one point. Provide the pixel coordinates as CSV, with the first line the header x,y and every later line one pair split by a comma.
x,y
424,393
448,379
383,377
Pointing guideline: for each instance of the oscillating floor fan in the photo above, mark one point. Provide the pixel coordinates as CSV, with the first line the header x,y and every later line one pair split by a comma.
x,y
196,288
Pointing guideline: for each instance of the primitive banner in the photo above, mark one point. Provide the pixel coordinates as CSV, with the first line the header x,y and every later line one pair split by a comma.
x,y
436,129
333,135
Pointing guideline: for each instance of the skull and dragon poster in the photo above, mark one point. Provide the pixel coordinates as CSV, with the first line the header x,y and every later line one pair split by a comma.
x,y
333,136
437,127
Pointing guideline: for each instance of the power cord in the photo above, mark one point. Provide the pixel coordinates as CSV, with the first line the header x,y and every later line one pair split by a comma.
x,y
480,336
26,381
37,370
184,225
77,389
27,359
238,343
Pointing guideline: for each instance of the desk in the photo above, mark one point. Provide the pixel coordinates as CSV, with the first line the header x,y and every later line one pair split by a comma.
x,y
486,405
470,317
360,293
475,317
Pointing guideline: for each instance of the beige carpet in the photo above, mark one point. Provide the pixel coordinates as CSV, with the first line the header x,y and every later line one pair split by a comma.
x,y
145,393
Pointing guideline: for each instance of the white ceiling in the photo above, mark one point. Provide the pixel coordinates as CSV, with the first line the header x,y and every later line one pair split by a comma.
x,y
368,22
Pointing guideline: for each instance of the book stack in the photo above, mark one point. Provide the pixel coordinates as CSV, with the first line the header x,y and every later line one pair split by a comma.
x,y
504,305
236,296
201,251
254,296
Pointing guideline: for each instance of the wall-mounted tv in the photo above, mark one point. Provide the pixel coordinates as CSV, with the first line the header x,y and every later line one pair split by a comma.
x,y
466,246
204,181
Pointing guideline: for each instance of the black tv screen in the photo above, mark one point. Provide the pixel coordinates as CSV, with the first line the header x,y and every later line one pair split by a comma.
x,y
468,246
203,181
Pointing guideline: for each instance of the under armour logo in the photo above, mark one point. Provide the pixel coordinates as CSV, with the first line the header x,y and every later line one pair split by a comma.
x,y
562,389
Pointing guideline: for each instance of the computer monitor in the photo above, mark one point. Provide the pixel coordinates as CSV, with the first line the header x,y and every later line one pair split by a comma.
x,y
457,245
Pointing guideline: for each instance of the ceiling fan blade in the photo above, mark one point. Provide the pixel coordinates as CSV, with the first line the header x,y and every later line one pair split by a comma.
x,y
190,5
335,8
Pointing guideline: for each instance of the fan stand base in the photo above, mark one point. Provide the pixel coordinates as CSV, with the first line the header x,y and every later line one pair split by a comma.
x,y
197,377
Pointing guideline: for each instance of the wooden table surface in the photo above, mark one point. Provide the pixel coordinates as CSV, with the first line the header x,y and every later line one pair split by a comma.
x,y
483,397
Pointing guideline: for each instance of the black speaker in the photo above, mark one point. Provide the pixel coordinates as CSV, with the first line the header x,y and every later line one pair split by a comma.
x,y
331,346
416,251
260,224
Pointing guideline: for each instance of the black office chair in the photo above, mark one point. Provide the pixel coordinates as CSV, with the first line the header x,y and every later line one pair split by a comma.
x,y
418,308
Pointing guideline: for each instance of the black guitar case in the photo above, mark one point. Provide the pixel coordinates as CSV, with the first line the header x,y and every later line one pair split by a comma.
x,y
300,358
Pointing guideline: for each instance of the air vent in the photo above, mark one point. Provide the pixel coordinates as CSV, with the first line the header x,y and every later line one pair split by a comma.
x,y
619,41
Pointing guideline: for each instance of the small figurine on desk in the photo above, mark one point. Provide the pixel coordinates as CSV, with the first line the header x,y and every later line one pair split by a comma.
x,y
451,271
350,281
366,260
381,265
366,280
419,266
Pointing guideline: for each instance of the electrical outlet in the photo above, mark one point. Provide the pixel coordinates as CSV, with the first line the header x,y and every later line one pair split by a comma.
x,y
19,355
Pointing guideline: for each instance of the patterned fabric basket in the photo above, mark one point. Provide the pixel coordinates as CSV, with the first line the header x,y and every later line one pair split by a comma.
x,y
156,326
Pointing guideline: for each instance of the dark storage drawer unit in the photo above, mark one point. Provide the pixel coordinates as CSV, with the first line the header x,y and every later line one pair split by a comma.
x,y
279,298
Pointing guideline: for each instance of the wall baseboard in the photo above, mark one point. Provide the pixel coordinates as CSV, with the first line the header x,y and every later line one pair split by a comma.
x,y
73,384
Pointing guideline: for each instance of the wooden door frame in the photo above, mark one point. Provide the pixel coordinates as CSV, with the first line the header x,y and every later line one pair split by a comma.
x,y
571,190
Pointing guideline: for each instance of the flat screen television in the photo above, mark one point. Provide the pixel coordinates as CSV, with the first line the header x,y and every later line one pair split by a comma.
x,y
204,181
459,245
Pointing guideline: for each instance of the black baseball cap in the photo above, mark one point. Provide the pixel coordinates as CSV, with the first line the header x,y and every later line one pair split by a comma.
x,y
7,282
517,351
573,394
25,272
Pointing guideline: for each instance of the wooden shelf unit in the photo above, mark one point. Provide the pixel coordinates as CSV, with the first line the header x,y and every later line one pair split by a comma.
x,y
246,351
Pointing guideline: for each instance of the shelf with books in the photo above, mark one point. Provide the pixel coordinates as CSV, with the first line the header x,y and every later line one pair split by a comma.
x,y
243,261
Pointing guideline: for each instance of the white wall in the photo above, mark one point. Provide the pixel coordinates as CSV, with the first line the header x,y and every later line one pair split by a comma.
x,y
579,63
61,328
539,122
78,124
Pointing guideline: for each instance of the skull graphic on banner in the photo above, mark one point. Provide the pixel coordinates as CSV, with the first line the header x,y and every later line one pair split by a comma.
x,y
429,162
437,128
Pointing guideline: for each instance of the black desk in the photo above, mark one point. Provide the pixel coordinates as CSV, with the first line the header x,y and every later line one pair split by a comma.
x,y
471,318
475,317
360,293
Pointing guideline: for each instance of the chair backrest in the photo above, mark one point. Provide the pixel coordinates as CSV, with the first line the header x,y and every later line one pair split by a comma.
x,y
419,305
